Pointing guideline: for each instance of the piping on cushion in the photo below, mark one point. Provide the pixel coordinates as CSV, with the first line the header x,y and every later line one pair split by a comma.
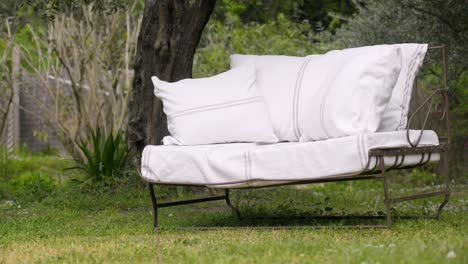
x,y
416,61
206,108
297,87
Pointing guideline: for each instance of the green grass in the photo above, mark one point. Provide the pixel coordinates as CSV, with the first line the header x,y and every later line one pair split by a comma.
x,y
115,226
23,162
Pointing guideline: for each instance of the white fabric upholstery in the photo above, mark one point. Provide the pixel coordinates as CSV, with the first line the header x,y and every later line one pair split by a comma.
x,y
345,92
247,164
340,93
396,115
224,108
276,77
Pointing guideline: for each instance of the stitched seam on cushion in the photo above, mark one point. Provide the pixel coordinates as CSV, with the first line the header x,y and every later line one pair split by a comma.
x,y
152,172
147,158
245,166
363,151
206,108
358,139
410,74
148,155
144,157
247,170
297,87
250,166
325,98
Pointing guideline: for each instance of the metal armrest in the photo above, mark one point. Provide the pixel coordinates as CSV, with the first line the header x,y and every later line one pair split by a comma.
x,y
442,108
407,151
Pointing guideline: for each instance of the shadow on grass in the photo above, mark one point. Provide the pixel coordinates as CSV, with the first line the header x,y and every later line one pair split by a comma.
x,y
292,208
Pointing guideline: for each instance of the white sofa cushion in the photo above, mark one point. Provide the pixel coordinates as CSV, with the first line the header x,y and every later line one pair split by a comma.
x,y
345,92
224,108
276,76
247,164
396,115
324,96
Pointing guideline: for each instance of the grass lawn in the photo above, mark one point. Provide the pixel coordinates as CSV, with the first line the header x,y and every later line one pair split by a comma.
x,y
75,226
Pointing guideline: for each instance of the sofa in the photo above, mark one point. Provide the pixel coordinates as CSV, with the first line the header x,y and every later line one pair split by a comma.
x,y
280,120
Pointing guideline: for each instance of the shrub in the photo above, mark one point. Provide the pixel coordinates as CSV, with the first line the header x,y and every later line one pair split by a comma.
x,y
104,157
434,22
31,184
78,68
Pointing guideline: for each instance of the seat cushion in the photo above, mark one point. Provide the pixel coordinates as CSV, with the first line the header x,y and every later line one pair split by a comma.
x,y
241,165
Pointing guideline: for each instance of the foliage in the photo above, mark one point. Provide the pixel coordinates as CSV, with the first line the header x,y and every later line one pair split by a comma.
x,y
34,184
460,111
30,169
434,22
322,15
6,75
81,73
266,27
221,39
105,157
327,15
426,21
50,8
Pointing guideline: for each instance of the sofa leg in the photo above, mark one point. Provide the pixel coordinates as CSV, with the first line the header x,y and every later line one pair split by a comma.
x,y
439,211
228,202
155,207
388,202
445,172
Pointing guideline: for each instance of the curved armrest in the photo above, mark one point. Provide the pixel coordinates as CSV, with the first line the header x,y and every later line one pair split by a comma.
x,y
442,107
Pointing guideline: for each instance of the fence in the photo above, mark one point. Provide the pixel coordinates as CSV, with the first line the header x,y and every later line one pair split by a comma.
x,y
23,126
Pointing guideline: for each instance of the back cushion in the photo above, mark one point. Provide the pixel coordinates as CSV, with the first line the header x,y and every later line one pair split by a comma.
x,y
345,92
224,108
276,77
396,115
340,93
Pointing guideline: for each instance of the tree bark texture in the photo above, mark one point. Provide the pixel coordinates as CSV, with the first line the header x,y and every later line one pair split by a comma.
x,y
168,38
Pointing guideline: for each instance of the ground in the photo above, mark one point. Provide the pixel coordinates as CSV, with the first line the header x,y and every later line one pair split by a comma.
x,y
72,225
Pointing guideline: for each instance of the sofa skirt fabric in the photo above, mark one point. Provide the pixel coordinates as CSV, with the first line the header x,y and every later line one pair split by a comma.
x,y
240,165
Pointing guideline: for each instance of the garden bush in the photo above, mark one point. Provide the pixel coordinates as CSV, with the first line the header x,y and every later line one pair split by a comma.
x,y
434,22
31,186
104,157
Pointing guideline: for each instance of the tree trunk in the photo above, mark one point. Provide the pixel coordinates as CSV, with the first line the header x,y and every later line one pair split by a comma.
x,y
169,35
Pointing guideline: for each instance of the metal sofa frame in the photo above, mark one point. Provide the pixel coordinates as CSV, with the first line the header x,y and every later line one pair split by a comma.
x,y
377,172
